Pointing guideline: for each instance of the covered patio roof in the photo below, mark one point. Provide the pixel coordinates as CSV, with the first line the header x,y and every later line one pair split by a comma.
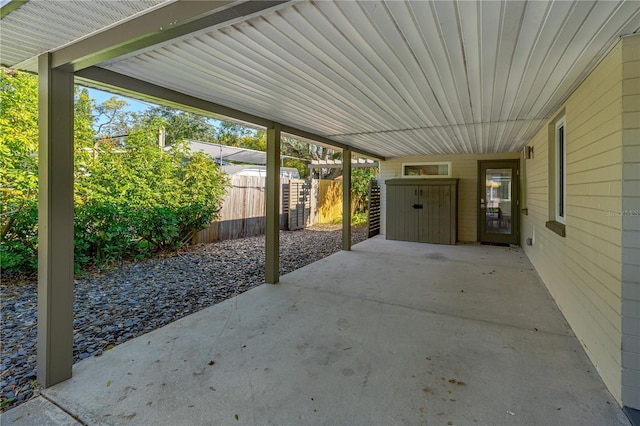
x,y
383,78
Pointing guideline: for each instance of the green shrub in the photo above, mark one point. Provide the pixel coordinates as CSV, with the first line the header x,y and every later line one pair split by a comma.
x,y
357,219
132,198
107,232
19,245
133,213
102,233
360,178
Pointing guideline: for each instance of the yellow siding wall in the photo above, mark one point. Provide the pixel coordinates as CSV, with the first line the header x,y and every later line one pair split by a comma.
x,y
464,168
631,221
583,269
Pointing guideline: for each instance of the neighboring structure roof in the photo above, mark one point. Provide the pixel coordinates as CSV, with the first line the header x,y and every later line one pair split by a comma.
x,y
389,78
225,153
229,153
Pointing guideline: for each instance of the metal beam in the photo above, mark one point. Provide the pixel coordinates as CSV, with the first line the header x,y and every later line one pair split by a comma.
x,y
120,83
272,232
346,199
330,142
165,23
161,95
55,224
10,7
339,166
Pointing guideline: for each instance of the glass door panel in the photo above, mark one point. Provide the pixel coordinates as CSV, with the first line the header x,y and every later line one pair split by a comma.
x,y
498,205
498,201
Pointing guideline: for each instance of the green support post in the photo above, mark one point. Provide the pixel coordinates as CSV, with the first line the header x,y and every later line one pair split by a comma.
x,y
55,224
346,199
272,237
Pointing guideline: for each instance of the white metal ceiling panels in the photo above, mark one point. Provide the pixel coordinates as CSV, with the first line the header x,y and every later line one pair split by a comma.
x,y
392,77
396,77
39,26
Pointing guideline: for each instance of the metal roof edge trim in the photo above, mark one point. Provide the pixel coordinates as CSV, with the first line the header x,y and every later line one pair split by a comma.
x,y
10,7
276,5
160,25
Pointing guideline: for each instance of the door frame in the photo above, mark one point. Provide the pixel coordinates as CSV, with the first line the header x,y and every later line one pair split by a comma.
x,y
495,238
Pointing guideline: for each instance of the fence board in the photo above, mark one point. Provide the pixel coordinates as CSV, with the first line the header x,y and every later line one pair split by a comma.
x,y
374,209
299,204
242,213
329,201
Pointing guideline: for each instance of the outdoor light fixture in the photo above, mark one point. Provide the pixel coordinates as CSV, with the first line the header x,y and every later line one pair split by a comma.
x,y
528,152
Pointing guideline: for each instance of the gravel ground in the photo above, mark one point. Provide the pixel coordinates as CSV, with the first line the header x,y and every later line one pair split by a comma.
x,y
120,304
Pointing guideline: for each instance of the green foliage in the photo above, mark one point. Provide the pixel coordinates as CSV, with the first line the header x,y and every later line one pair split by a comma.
x,y
253,140
19,164
232,134
303,150
18,143
303,170
178,125
132,199
357,219
140,198
360,178
19,246
83,132
18,169
110,118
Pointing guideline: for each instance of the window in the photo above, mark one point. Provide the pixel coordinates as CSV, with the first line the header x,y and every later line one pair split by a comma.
x,y
561,171
426,170
557,175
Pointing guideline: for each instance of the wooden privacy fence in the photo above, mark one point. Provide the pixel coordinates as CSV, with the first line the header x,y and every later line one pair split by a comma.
x,y
242,213
243,209
302,203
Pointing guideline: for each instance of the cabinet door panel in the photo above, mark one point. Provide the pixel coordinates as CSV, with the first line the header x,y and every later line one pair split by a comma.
x,y
444,230
402,220
410,217
428,214
435,218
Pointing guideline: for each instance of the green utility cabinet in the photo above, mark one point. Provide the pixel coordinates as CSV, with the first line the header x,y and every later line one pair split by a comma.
x,y
423,210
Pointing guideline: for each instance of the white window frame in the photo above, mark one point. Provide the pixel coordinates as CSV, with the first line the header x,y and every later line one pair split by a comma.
x,y
407,166
561,170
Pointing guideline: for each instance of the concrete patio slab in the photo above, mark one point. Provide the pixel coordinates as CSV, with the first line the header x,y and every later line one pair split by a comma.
x,y
390,333
38,411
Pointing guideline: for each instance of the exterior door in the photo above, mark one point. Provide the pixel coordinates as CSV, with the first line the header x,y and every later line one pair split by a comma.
x,y
498,204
